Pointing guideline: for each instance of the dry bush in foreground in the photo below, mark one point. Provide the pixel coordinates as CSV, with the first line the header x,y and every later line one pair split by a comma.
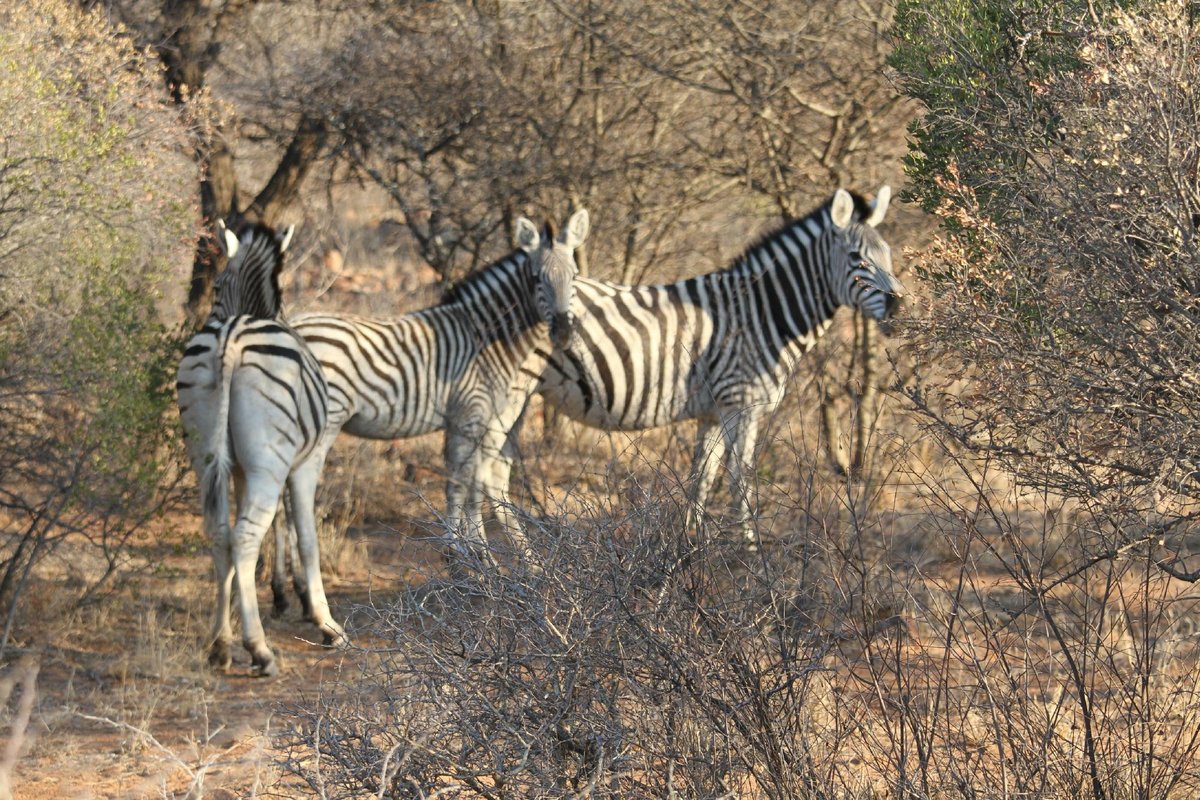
x,y
947,641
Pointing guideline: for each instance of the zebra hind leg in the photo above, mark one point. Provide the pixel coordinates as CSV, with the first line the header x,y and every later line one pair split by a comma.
x,y
254,519
220,651
216,524
302,487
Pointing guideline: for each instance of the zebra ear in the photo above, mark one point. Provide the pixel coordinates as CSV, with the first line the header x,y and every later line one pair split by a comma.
x,y
526,235
229,242
285,238
879,205
576,229
841,210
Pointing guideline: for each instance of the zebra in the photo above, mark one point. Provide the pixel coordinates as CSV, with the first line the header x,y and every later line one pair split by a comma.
x,y
718,347
254,403
466,366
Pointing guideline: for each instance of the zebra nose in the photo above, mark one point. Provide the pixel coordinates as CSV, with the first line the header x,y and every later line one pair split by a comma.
x,y
892,304
560,328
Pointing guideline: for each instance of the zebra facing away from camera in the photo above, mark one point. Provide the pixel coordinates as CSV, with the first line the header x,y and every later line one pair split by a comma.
x,y
466,366
719,347
253,403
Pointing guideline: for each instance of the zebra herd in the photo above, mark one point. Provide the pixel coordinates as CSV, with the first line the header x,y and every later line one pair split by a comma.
x,y
262,400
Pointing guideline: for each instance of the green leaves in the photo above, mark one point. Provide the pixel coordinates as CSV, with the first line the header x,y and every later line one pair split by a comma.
x,y
95,219
1058,151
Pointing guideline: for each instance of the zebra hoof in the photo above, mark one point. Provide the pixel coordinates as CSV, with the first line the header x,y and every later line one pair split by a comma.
x,y
220,657
336,639
279,601
264,666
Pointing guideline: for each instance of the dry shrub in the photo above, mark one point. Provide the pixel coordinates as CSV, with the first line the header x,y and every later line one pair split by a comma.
x,y
91,229
928,642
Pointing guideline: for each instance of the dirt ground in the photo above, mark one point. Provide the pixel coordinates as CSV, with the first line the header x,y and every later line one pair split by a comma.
x,y
127,707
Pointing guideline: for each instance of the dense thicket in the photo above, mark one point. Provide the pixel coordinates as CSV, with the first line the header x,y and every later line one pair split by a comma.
x,y
1060,149
92,229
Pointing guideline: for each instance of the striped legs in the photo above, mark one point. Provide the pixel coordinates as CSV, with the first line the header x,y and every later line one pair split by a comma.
x,y
497,472
220,653
741,437
287,552
302,487
256,508
464,452
479,456
732,440
236,551
706,462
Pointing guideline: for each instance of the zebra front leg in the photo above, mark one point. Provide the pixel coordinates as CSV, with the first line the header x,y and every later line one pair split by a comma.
x,y
302,486
464,499
496,476
741,432
710,451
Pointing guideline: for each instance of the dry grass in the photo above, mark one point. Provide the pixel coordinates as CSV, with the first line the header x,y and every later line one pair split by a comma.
x,y
907,637
932,635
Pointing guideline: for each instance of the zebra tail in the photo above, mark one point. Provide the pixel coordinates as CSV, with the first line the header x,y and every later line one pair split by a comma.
x,y
215,485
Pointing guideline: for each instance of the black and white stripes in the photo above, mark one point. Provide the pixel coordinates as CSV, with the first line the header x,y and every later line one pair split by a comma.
x,y
265,401
465,366
719,347
254,406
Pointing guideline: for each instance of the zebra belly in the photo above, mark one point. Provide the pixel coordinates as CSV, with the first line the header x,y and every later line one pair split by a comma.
x,y
368,425
584,401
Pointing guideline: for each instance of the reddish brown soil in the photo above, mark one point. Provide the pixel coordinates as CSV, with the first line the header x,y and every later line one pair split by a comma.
x,y
125,713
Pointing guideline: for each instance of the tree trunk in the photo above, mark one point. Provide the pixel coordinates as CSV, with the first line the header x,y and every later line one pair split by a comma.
x,y
218,200
196,33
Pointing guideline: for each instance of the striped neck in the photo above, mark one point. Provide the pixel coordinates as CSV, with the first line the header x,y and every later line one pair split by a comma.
x,y
249,286
786,279
509,279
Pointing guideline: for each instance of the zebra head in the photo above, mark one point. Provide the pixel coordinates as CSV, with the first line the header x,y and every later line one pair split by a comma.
x,y
556,268
867,283
249,284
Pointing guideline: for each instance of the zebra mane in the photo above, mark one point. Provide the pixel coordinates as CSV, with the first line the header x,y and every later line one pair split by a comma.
x,y
470,284
862,210
252,288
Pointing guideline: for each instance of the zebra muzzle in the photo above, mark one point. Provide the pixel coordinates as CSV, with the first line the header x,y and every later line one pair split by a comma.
x,y
560,328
